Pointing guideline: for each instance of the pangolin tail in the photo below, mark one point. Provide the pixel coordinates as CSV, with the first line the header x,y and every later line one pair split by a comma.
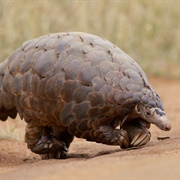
x,y
7,109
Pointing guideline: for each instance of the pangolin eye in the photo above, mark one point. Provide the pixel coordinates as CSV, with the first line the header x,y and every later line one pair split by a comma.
x,y
148,113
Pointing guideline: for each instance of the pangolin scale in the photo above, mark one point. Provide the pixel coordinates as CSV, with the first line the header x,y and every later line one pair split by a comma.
x,y
77,84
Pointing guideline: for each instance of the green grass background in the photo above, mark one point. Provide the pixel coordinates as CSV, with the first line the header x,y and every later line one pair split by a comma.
x,y
148,30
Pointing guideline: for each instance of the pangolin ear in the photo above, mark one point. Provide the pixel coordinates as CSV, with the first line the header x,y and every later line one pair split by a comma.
x,y
139,109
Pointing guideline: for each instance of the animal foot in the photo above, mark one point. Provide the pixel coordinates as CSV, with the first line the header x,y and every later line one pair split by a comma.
x,y
138,135
48,145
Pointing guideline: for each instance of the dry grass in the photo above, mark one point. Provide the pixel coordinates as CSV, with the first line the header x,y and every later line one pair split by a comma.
x,y
147,30
12,129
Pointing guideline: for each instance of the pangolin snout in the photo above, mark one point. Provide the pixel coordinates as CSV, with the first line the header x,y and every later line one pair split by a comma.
x,y
167,127
163,123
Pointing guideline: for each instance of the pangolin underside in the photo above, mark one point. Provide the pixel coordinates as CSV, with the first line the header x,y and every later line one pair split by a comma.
x,y
76,84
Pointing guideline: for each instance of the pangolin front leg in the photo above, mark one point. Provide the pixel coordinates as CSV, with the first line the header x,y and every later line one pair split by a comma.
x,y
41,141
138,135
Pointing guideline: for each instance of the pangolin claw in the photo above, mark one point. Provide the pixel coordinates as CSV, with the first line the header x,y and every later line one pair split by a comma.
x,y
124,140
141,138
136,136
54,155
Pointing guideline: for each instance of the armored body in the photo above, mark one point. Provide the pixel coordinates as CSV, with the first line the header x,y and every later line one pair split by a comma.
x,y
76,84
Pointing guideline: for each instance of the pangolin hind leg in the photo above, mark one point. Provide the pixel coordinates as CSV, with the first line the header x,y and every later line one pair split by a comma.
x,y
65,138
41,140
104,134
110,136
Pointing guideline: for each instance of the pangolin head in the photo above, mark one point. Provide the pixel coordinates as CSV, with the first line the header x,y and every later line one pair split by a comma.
x,y
153,115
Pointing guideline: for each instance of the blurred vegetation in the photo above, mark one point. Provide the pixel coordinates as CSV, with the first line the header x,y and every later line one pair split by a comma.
x,y
148,30
11,129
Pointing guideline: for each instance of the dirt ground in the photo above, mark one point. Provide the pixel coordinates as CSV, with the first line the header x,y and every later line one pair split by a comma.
x,y
159,159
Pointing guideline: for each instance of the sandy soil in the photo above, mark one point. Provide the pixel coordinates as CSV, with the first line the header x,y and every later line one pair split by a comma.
x,y
159,159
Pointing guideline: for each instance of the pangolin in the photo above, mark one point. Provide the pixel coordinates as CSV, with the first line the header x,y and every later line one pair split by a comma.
x,y
77,84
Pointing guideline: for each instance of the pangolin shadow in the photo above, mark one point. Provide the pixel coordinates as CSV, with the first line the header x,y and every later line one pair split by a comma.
x,y
101,153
